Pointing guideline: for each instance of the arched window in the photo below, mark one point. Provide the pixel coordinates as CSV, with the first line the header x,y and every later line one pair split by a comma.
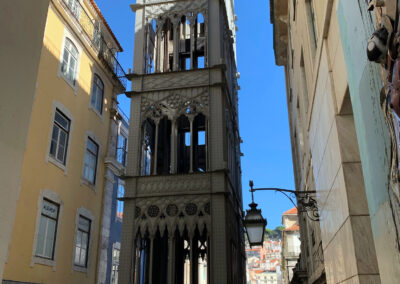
x,y
164,146
199,143
183,144
184,47
97,94
200,25
151,43
200,42
70,61
148,147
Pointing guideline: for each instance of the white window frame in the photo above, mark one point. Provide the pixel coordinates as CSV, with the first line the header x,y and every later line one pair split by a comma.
x,y
73,85
53,197
60,129
84,181
88,215
50,158
77,12
91,106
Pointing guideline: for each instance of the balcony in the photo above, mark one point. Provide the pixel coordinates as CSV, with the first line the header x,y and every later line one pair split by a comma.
x,y
92,30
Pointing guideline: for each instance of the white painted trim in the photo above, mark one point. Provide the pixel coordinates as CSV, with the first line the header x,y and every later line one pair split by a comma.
x,y
68,34
87,214
67,113
84,181
52,196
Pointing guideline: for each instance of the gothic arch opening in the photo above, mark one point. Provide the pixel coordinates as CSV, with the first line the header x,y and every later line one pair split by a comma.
x,y
164,146
184,44
184,141
150,46
179,256
148,148
199,143
199,56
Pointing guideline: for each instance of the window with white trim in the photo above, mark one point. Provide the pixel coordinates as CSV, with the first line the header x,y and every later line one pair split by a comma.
x,y
46,238
120,204
74,7
90,165
115,263
59,137
69,63
97,94
82,242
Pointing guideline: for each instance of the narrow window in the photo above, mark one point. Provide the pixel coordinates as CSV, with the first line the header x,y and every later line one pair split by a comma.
x,y
121,149
151,44
200,42
69,61
97,94
46,239
200,62
59,137
187,63
200,25
148,150
164,146
311,21
183,144
82,242
199,147
115,263
89,169
304,83
120,203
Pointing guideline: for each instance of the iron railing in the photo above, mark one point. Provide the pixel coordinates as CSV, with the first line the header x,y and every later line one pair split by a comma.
x,y
91,27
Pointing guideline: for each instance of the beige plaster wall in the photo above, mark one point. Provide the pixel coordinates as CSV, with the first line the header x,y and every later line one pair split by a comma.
x,y
22,24
325,142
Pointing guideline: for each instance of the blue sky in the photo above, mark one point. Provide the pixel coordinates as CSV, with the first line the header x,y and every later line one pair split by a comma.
x,y
263,114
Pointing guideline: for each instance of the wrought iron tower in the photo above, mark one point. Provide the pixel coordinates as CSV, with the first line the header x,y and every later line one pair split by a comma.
x,y
182,218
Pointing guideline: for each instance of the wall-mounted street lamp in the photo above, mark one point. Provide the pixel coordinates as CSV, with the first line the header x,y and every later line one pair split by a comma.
x,y
255,223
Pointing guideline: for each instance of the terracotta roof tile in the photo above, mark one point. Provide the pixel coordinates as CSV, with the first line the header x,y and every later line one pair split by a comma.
x,y
293,228
292,211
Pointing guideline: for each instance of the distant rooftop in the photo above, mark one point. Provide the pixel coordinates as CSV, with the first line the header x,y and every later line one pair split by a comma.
x,y
293,228
292,211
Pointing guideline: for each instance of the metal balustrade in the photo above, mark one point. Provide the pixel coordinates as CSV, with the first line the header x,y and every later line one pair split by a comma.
x,y
92,29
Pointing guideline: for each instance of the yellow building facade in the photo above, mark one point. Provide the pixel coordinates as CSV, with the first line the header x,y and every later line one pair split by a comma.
x,y
58,221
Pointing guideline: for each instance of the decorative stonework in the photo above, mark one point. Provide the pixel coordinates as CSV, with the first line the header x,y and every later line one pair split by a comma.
x,y
207,208
176,80
191,209
153,211
173,184
171,8
173,212
174,103
137,212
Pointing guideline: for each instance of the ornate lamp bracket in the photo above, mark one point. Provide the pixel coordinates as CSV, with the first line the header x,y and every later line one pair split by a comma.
x,y
306,202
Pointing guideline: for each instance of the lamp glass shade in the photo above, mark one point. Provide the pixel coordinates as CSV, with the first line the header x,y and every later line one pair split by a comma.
x,y
255,225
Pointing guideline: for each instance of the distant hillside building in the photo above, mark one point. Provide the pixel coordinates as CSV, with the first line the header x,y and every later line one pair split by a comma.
x,y
263,263
290,244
